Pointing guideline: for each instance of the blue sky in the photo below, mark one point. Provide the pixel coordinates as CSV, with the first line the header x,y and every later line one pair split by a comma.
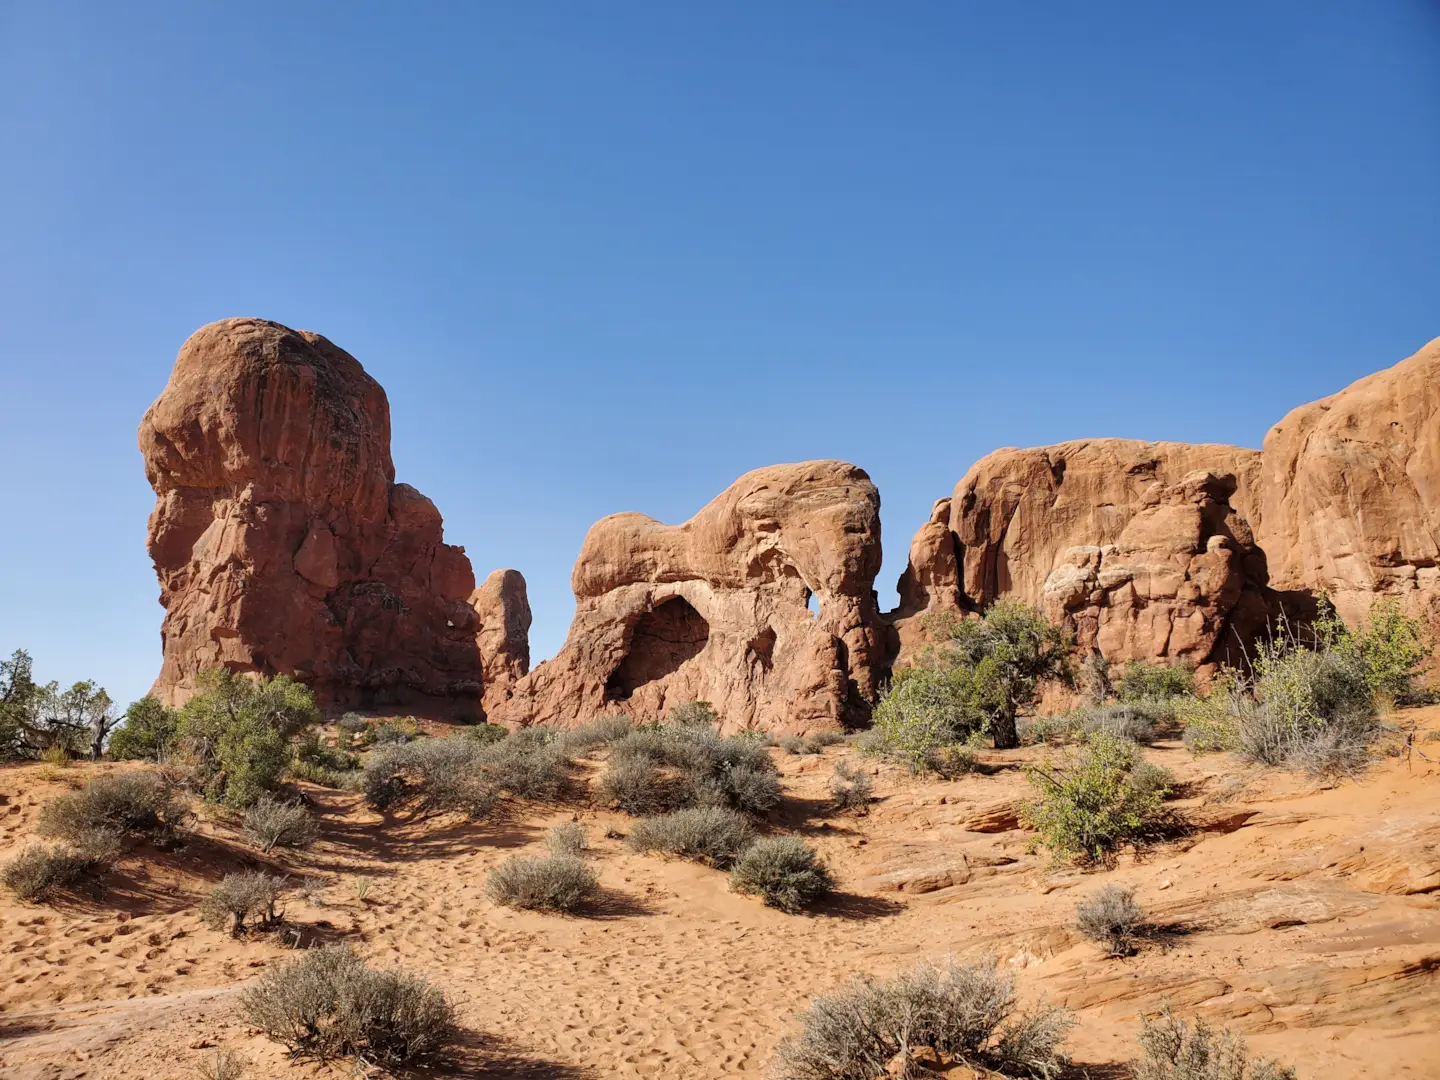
x,y
610,257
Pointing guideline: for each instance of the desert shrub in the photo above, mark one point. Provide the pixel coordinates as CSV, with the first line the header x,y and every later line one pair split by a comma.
x,y
713,835
485,734
1174,1050
849,788
794,744
783,870
527,767
430,776
395,732
693,713
1100,798
950,762
18,695
319,763
1095,679
1143,681
557,882
1391,648
139,803
809,744
964,1014
925,709
639,787
821,739
330,1004
693,765
38,873
235,734
602,731
271,823
1111,918
148,733
567,838
250,894
222,1065
1133,720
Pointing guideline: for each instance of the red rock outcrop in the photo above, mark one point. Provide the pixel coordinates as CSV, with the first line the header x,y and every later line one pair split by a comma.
x,y
282,542
1144,549
1350,491
503,636
717,610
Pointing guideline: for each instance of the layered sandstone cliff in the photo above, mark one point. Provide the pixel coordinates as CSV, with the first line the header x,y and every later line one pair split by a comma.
x,y
281,540
719,609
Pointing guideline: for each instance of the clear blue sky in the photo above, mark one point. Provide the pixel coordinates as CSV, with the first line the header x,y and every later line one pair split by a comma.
x,y
611,256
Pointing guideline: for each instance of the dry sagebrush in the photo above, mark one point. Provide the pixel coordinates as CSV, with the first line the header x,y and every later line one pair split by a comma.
x,y
964,1014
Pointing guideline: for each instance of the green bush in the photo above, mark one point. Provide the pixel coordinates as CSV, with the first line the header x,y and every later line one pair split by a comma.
x,y
783,870
148,734
1142,681
38,873
271,823
1390,647
640,787
1174,1050
965,1015
250,894
543,883
485,734
235,734
393,732
602,731
1102,797
431,776
712,835
330,1004
138,803
1111,918
925,710
696,713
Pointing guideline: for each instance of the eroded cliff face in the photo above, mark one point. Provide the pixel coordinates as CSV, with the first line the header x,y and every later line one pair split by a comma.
x,y
280,538
719,609
1177,552
1350,491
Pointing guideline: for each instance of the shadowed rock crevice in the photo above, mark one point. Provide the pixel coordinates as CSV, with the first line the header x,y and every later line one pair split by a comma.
x,y
661,641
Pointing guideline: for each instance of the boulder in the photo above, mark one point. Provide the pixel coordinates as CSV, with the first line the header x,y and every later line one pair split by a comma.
x,y
718,609
1350,492
280,538
1143,549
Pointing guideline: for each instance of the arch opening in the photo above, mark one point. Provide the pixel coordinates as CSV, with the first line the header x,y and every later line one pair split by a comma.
x,y
664,638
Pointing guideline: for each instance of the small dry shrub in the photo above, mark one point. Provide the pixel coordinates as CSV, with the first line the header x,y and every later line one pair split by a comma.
x,y
222,1065
567,838
851,789
139,803
784,870
548,883
794,744
692,765
331,1004
431,776
1175,1050
1111,918
638,786
528,765
713,835
965,1014
250,894
602,731
271,823
38,873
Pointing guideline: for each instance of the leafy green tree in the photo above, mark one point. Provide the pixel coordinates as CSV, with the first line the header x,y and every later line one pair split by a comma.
x,y
236,732
79,719
149,731
18,695
1011,650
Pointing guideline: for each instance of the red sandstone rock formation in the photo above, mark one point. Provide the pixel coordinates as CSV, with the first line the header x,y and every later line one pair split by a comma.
x,y
280,538
716,610
1143,548
503,609
1350,491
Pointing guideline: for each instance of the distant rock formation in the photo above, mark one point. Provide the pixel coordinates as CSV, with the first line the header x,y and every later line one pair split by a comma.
x,y
503,634
1350,491
1178,552
718,609
282,542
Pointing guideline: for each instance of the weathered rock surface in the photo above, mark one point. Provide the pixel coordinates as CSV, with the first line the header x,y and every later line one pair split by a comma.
x,y
716,610
1143,548
280,538
503,608
1350,491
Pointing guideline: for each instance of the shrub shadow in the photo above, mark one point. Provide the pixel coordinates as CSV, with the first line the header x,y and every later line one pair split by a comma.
x,y
479,1054
857,907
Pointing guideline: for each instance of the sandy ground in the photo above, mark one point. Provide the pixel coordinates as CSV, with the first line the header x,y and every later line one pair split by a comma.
x,y
1305,916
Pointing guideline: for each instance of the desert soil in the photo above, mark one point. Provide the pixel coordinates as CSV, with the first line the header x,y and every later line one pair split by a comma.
x,y
1305,915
